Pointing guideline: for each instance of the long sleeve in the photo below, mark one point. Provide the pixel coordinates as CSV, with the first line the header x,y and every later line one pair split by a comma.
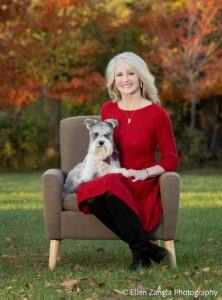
x,y
165,140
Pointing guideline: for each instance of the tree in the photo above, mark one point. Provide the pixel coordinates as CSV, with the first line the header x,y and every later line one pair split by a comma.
x,y
186,49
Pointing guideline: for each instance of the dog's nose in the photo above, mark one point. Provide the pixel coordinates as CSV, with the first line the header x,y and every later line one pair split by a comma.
x,y
101,143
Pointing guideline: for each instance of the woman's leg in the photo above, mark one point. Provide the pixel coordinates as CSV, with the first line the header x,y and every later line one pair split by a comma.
x,y
124,222
98,207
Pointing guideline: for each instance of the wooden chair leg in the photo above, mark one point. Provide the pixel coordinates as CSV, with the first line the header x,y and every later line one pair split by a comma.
x,y
169,245
53,253
156,242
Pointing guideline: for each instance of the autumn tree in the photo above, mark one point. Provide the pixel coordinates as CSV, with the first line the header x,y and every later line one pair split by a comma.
x,y
183,45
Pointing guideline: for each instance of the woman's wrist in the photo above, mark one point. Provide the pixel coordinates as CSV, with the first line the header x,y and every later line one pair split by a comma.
x,y
147,173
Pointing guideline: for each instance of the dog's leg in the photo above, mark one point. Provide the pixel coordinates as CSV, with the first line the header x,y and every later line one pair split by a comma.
x,y
87,175
69,186
112,169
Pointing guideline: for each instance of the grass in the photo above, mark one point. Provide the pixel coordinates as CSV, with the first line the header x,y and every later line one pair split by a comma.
x,y
25,275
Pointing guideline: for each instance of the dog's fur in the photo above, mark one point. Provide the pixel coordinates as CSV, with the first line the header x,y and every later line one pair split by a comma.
x,y
100,147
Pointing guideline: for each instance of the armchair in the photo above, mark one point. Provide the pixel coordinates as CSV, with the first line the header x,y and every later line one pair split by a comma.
x,y
63,220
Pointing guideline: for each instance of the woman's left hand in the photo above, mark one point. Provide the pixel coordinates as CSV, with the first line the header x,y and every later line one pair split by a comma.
x,y
139,175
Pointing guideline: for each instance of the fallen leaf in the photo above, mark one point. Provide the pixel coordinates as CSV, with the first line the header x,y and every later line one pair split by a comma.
x,y
122,281
200,288
170,286
77,267
95,295
138,288
83,278
185,274
128,281
13,247
40,252
18,266
79,289
7,239
89,298
38,272
150,286
47,284
176,241
134,278
159,288
206,269
9,288
101,284
8,256
116,292
177,276
20,292
68,284
93,281
99,249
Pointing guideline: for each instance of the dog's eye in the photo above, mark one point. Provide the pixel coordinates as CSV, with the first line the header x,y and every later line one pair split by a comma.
x,y
96,134
106,135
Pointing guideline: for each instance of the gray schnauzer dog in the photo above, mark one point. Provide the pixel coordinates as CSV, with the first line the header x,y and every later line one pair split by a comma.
x,y
102,157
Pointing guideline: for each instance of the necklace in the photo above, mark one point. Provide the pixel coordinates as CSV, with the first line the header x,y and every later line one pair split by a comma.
x,y
129,119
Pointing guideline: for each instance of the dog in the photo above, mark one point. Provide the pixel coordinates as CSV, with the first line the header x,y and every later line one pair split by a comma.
x,y
102,157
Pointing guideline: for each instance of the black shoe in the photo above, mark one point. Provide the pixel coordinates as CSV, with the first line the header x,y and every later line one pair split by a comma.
x,y
140,259
157,253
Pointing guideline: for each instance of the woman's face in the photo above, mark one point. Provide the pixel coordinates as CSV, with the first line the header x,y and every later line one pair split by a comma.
x,y
126,82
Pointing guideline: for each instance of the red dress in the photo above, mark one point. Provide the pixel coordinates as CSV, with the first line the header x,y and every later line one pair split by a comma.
x,y
136,143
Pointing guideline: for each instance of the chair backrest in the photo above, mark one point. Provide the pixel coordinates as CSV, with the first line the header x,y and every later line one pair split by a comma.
x,y
74,141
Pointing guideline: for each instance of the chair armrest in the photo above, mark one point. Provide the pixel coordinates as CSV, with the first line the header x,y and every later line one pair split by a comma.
x,y
170,196
52,183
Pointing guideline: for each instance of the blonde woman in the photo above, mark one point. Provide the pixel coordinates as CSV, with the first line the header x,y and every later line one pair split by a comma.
x,y
129,207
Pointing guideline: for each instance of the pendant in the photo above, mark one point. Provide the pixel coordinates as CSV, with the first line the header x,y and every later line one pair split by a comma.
x,y
129,121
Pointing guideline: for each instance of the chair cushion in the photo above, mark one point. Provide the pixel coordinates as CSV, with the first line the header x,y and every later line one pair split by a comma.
x,y
70,202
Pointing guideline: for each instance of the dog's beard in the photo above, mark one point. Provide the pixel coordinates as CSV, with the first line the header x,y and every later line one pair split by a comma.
x,y
102,152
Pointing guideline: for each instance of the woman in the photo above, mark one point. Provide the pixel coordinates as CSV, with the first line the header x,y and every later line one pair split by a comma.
x,y
130,206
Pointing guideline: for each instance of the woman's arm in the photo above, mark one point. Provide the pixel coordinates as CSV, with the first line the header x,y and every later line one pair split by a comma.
x,y
169,159
149,173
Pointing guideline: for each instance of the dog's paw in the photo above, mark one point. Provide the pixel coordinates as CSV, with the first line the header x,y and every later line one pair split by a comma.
x,y
125,173
82,181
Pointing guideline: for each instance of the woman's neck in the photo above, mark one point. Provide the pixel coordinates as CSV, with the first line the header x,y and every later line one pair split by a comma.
x,y
132,103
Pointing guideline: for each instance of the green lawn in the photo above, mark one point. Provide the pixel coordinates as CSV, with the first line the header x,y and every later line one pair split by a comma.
x,y
24,248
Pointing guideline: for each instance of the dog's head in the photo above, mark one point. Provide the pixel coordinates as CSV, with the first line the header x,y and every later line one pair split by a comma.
x,y
101,137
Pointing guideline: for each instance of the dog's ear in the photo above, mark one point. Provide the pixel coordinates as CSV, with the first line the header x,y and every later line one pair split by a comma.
x,y
89,123
112,122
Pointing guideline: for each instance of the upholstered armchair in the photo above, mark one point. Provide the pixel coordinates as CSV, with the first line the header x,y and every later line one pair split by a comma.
x,y
63,220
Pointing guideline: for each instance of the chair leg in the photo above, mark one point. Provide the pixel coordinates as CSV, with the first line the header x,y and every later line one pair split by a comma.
x,y
53,252
169,245
157,242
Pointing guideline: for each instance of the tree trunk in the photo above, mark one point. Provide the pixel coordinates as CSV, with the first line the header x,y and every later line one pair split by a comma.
x,y
193,110
53,124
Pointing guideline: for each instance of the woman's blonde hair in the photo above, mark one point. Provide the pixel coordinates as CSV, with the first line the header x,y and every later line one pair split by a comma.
x,y
131,62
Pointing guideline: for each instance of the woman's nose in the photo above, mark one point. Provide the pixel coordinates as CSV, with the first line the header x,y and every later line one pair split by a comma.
x,y
125,78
